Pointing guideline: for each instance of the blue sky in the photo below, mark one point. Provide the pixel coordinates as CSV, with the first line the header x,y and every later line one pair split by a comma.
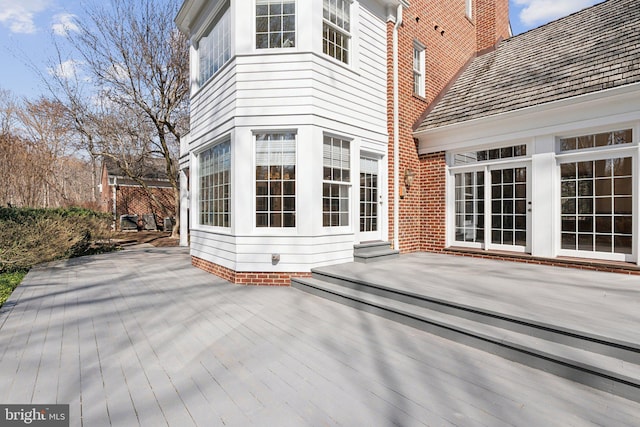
x,y
27,28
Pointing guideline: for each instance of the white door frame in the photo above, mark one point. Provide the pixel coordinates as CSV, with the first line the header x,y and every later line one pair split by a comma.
x,y
365,236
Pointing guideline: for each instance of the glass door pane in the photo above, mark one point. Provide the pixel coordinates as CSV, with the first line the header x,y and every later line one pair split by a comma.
x,y
509,206
369,196
469,207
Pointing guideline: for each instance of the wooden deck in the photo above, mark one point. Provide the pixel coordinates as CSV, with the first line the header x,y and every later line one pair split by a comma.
x,y
141,337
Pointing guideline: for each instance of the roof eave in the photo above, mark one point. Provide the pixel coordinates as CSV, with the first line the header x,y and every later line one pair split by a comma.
x,y
188,13
630,90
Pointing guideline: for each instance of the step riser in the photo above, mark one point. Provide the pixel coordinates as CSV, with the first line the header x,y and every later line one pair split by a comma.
x,y
527,356
538,331
370,250
365,259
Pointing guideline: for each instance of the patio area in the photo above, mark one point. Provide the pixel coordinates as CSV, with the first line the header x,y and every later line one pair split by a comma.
x,y
141,337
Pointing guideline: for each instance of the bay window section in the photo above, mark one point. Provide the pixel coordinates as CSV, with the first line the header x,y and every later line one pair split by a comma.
x,y
214,48
336,27
276,179
215,185
337,177
275,24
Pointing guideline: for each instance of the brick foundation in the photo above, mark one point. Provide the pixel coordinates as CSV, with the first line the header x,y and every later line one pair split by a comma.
x,y
567,262
246,278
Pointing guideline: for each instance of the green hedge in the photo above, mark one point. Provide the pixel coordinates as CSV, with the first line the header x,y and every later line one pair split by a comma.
x,y
33,236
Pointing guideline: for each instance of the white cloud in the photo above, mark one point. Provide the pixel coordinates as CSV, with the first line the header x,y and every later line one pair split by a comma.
x,y
63,23
118,72
536,12
19,15
69,69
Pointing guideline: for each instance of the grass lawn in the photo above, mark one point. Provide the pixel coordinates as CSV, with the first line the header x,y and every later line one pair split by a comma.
x,y
8,282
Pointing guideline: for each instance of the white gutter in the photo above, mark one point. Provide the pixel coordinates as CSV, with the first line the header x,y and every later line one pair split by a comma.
x,y
396,134
115,210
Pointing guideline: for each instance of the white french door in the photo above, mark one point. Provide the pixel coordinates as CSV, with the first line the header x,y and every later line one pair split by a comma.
x,y
370,199
492,208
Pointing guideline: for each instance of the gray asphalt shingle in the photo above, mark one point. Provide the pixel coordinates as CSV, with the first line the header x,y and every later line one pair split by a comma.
x,y
592,50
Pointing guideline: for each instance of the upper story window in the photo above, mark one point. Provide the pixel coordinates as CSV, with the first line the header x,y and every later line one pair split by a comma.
x,y
276,179
469,8
336,25
598,140
214,48
418,69
275,23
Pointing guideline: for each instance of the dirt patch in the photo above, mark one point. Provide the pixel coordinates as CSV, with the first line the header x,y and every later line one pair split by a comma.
x,y
155,238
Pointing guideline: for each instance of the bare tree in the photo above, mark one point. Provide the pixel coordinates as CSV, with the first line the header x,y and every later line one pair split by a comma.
x,y
138,64
38,168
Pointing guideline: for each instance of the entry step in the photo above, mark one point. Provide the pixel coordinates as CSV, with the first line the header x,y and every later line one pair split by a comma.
x,y
374,251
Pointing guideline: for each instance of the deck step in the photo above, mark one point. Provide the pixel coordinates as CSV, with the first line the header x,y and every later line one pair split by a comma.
x,y
374,251
599,362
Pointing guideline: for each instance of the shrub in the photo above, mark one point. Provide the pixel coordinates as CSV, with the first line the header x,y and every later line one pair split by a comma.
x,y
32,236
8,282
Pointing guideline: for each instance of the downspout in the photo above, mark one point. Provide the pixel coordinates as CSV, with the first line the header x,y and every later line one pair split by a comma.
x,y
396,134
114,209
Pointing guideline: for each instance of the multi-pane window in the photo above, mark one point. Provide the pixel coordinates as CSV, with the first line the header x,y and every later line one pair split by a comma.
x,y
214,49
492,154
276,179
337,177
597,205
214,171
335,29
469,203
596,140
275,23
418,70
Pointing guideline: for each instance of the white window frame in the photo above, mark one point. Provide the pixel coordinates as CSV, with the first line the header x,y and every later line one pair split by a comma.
x,y
418,69
344,184
595,154
469,9
268,33
212,56
198,187
340,30
279,229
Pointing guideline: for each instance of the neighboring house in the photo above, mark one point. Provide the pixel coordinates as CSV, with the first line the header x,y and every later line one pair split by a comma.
x,y
298,147
535,147
121,195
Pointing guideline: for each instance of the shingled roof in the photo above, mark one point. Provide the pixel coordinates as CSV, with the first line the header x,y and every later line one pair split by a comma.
x,y
146,168
592,50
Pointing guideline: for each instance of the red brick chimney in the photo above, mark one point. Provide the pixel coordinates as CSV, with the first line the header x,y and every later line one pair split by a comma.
x,y
492,22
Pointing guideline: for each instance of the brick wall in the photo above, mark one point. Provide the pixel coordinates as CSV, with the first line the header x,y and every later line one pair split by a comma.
x,y
433,176
451,41
246,278
134,200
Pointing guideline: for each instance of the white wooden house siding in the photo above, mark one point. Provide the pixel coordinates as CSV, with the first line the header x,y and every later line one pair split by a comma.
x,y
295,89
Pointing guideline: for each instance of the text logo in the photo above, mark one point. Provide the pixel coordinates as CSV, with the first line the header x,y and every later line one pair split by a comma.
x,y
34,415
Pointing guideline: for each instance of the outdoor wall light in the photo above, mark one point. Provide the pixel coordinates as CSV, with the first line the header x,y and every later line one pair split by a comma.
x,y
409,176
